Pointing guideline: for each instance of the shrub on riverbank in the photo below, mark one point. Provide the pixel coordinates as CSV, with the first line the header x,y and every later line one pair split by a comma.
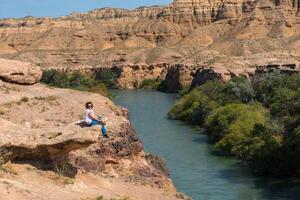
x,y
258,121
107,77
74,80
150,84
195,106
229,126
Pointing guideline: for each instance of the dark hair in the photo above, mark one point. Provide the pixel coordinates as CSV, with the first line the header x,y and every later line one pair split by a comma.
x,y
88,103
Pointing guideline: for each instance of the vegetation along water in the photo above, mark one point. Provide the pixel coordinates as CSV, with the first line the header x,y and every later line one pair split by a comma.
x,y
195,169
258,120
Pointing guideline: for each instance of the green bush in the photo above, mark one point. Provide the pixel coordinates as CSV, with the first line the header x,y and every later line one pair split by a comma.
x,y
284,102
184,91
231,124
150,84
267,85
74,80
240,89
193,107
263,150
107,77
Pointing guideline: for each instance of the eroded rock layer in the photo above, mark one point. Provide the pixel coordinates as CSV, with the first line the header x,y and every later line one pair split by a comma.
x,y
189,76
186,31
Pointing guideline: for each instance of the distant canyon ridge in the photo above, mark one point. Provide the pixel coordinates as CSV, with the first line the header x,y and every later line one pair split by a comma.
x,y
185,42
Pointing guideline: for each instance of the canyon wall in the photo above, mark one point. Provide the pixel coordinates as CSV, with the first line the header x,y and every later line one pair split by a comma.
x,y
180,76
186,31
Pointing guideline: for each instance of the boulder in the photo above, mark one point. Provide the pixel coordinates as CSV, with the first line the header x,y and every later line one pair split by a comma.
x,y
19,72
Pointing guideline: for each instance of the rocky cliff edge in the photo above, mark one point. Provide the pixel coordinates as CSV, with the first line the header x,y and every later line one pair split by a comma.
x,y
46,153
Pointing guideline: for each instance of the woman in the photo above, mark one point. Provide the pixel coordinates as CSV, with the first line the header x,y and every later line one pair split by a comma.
x,y
91,119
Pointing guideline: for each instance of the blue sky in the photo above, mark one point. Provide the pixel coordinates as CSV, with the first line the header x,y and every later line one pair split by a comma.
x,y
55,8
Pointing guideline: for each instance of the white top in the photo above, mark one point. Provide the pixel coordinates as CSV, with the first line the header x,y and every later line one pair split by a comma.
x,y
87,118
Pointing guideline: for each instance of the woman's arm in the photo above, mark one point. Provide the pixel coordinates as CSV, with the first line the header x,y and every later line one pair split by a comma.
x,y
94,117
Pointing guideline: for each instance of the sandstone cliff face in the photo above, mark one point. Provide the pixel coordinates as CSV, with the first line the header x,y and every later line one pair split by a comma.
x,y
178,77
193,13
112,13
192,31
218,72
132,76
181,76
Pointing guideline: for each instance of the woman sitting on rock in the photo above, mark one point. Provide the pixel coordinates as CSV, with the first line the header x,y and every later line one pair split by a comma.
x,y
91,119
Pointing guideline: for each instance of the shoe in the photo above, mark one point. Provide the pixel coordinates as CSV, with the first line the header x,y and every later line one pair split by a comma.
x,y
105,136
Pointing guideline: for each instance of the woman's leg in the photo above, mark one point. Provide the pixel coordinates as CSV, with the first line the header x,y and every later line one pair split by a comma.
x,y
103,128
94,122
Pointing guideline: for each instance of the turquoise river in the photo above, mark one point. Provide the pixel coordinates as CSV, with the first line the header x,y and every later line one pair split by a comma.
x,y
194,169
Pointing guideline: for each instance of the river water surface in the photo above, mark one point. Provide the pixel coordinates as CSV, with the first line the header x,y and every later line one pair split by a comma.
x,y
194,169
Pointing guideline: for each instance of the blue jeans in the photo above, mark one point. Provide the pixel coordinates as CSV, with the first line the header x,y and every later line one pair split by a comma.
x,y
103,129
